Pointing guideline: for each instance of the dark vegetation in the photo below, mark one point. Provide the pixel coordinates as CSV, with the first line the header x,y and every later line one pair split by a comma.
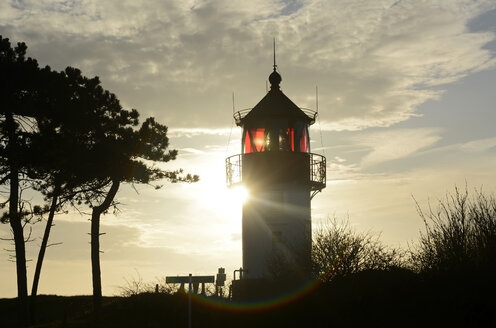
x,y
446,279
62,135
359,282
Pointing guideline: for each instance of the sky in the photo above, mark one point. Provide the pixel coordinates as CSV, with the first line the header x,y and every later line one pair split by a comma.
x,y
406,112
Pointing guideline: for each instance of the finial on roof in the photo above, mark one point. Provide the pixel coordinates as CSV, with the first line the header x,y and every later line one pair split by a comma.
x,y
275,66
275,78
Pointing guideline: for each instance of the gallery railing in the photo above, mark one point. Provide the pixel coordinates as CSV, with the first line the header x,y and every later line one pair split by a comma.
x,y
317,171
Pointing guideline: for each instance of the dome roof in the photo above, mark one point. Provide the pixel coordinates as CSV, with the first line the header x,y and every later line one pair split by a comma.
x,y
275,79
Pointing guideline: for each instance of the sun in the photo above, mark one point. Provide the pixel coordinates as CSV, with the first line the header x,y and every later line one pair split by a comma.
x,y
211,193
217,197
240,193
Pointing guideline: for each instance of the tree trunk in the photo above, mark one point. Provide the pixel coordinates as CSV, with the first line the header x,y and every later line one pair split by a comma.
x,y
41,254
20,250
95,246
16,225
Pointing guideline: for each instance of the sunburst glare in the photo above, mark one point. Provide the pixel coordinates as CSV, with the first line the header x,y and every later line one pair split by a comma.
x,y
240,193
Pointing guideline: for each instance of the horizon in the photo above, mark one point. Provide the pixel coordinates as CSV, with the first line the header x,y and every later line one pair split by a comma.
x,y
406,111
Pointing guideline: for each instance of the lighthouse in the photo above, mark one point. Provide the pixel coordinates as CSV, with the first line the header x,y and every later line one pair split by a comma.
x,y
282,175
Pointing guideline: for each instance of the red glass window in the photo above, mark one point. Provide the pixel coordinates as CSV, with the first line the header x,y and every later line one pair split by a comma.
x,y
248,146
304,142
277,139
254,140
286,140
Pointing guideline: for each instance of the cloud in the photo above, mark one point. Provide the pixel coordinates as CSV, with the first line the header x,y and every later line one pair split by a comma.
x,y
192,150
479,146
375,61
395,144
190,132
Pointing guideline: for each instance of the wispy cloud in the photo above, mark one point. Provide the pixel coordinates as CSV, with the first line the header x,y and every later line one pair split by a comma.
x,y
375,61
479,146
192,150
191,132
395,144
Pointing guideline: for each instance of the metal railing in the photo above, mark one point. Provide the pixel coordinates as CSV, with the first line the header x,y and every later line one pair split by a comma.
x,y
233,170
240,114
317,171
312,114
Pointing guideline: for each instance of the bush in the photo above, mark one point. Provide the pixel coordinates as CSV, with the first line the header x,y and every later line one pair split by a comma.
x,y
338,250
135,285
460,234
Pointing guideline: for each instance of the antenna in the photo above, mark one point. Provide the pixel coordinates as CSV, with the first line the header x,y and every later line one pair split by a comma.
x,y
232,125
275,66
318,117
317,98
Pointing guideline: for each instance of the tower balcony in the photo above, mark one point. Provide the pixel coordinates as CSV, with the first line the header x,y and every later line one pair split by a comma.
x,y
233,170
316,176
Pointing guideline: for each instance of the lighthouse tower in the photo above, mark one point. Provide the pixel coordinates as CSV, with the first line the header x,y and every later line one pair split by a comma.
x,y
282,176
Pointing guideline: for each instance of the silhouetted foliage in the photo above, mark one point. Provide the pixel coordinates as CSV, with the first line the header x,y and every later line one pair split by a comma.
x,y
338,250
60,150
135,285
123,154
455,257
65,136
460,234
20,101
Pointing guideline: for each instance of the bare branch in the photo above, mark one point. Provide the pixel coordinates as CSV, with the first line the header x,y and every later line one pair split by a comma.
x,y
4,179
28,238
54,244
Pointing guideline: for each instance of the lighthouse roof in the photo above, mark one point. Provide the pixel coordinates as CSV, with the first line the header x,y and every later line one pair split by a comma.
x,y
276,106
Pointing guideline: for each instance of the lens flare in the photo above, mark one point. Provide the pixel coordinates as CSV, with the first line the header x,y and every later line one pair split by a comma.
x,y
241,193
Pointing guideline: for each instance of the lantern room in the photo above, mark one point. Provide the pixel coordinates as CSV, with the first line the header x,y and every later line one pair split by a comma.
x,y
279,129
275,123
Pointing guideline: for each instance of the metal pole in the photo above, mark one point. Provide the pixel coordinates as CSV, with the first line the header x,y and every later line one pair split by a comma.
x,y
189,302
275,66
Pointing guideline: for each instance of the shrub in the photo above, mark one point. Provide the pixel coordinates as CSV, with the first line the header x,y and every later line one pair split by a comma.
x,y
459,234
338,250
